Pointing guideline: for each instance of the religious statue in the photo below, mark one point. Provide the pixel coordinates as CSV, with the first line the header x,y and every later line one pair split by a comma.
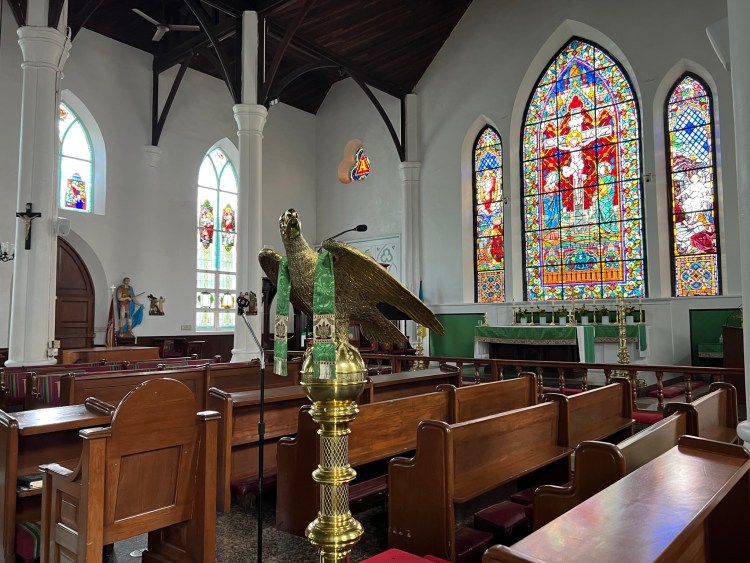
x,y
130,311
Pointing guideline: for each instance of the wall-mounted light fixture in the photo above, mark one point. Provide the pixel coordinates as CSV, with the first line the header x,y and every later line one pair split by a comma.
x,y
7,251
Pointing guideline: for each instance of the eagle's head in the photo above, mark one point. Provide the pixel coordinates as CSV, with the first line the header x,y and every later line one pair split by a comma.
x,y
289,225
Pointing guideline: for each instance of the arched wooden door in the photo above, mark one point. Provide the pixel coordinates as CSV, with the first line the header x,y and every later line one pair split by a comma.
x,y
74,309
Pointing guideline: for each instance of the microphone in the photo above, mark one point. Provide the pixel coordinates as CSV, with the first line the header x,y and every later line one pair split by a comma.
x,y
358,228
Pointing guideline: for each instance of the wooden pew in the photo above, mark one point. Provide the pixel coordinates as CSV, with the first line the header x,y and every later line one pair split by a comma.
x,y
405,384
456,463
380,431
597,414
714,414
691,503
245,376
152,470
237,445
112,387
31,438
599,464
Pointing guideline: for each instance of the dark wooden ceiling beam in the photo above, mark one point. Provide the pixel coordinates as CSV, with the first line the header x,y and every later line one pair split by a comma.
x,y
18,7
54,12
205,20
174,56
158,126
233,8
400,147
281,49
79,19
279,86
314,52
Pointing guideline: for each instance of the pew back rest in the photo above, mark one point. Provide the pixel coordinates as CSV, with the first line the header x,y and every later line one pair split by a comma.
x,y
485,399
494,450
717,413
653,441
601,412
113,387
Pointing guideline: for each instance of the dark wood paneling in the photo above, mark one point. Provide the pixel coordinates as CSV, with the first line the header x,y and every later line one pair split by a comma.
x,y
215,344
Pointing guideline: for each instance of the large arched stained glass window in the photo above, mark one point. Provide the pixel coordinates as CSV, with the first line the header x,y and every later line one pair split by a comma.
x,y
76,172
216,242
692,180
583,223
488,218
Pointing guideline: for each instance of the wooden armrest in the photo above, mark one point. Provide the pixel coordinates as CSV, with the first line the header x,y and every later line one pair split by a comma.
x,y
98,406
57,469
95,433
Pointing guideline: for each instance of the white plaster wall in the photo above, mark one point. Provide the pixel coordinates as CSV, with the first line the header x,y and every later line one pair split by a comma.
x,y
485,72
148,231
376,201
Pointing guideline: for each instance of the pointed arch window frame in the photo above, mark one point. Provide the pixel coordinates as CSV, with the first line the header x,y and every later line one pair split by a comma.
x,y
98,192
475,216
670,188
214,294
640,181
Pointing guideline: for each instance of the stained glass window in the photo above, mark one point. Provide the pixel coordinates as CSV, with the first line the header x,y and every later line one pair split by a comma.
x,y
488,217
76,163
581,177
692,181
216,242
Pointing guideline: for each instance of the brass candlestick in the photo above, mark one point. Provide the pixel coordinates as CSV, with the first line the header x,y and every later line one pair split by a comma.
x,y
623,356
419,348
334,532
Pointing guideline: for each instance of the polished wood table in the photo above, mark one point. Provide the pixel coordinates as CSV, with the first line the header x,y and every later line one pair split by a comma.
x,y
129,353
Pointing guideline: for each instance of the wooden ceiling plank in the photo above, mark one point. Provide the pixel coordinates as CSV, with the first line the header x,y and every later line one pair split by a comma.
x,y
313,52
79,19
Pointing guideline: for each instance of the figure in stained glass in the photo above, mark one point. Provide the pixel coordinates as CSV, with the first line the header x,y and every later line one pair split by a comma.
x,y
206,224
692,170
75,194
580,145
228,226
488,217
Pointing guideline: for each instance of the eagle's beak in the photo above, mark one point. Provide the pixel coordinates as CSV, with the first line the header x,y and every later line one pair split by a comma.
x,y
289,224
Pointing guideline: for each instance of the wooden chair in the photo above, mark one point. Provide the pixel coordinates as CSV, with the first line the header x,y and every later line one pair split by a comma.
x,y
153,470
195,347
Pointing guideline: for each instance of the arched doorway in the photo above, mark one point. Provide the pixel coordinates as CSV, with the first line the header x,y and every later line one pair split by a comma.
x,y
74,308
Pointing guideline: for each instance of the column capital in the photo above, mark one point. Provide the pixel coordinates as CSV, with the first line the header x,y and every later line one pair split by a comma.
x,y
410,171
250,117
43,47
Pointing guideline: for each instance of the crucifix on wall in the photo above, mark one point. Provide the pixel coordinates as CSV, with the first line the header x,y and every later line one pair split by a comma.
x,y
28,216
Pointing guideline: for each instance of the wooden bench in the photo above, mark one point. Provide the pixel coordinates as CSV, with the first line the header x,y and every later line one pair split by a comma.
x,y
28,439
152,470
237,447
405,384
691,503
599,464
456,463
380,431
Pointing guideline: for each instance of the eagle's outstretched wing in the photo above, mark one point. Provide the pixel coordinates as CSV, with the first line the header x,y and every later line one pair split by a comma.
x,y
375,286
269,261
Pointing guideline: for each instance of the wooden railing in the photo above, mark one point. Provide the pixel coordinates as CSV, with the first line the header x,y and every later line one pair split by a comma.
x,y
495,370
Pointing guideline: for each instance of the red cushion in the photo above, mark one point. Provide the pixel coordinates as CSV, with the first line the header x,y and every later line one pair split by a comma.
x,y
677,389
396,555
524,497
506,521
435,559
28,540
642,417
471,544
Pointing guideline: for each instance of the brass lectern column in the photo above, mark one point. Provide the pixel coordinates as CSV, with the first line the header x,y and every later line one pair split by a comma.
x,y
334,532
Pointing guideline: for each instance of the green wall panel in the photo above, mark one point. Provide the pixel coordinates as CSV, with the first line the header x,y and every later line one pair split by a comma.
x,y
458,340
706,327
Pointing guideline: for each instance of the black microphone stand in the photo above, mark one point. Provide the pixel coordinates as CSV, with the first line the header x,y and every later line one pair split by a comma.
x,y
241,304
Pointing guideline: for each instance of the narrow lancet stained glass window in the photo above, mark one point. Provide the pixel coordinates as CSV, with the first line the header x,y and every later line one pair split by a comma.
x,y
692,181
488,217
76,163
581,178
216,242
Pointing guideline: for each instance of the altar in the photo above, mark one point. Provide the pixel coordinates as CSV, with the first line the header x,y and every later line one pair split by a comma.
x,y
579,340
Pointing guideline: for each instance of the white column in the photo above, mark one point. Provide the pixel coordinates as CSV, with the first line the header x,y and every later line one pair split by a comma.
x,y
411,230
250,118
32,314
738,12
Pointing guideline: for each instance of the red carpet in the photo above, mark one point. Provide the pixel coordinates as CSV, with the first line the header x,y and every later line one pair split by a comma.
x,y
677,389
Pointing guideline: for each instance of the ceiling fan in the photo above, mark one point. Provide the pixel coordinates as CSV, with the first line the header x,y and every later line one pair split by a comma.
x,y
161,26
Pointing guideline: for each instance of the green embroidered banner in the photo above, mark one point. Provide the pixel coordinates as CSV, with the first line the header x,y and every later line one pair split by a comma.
x,y
324,318
281,322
